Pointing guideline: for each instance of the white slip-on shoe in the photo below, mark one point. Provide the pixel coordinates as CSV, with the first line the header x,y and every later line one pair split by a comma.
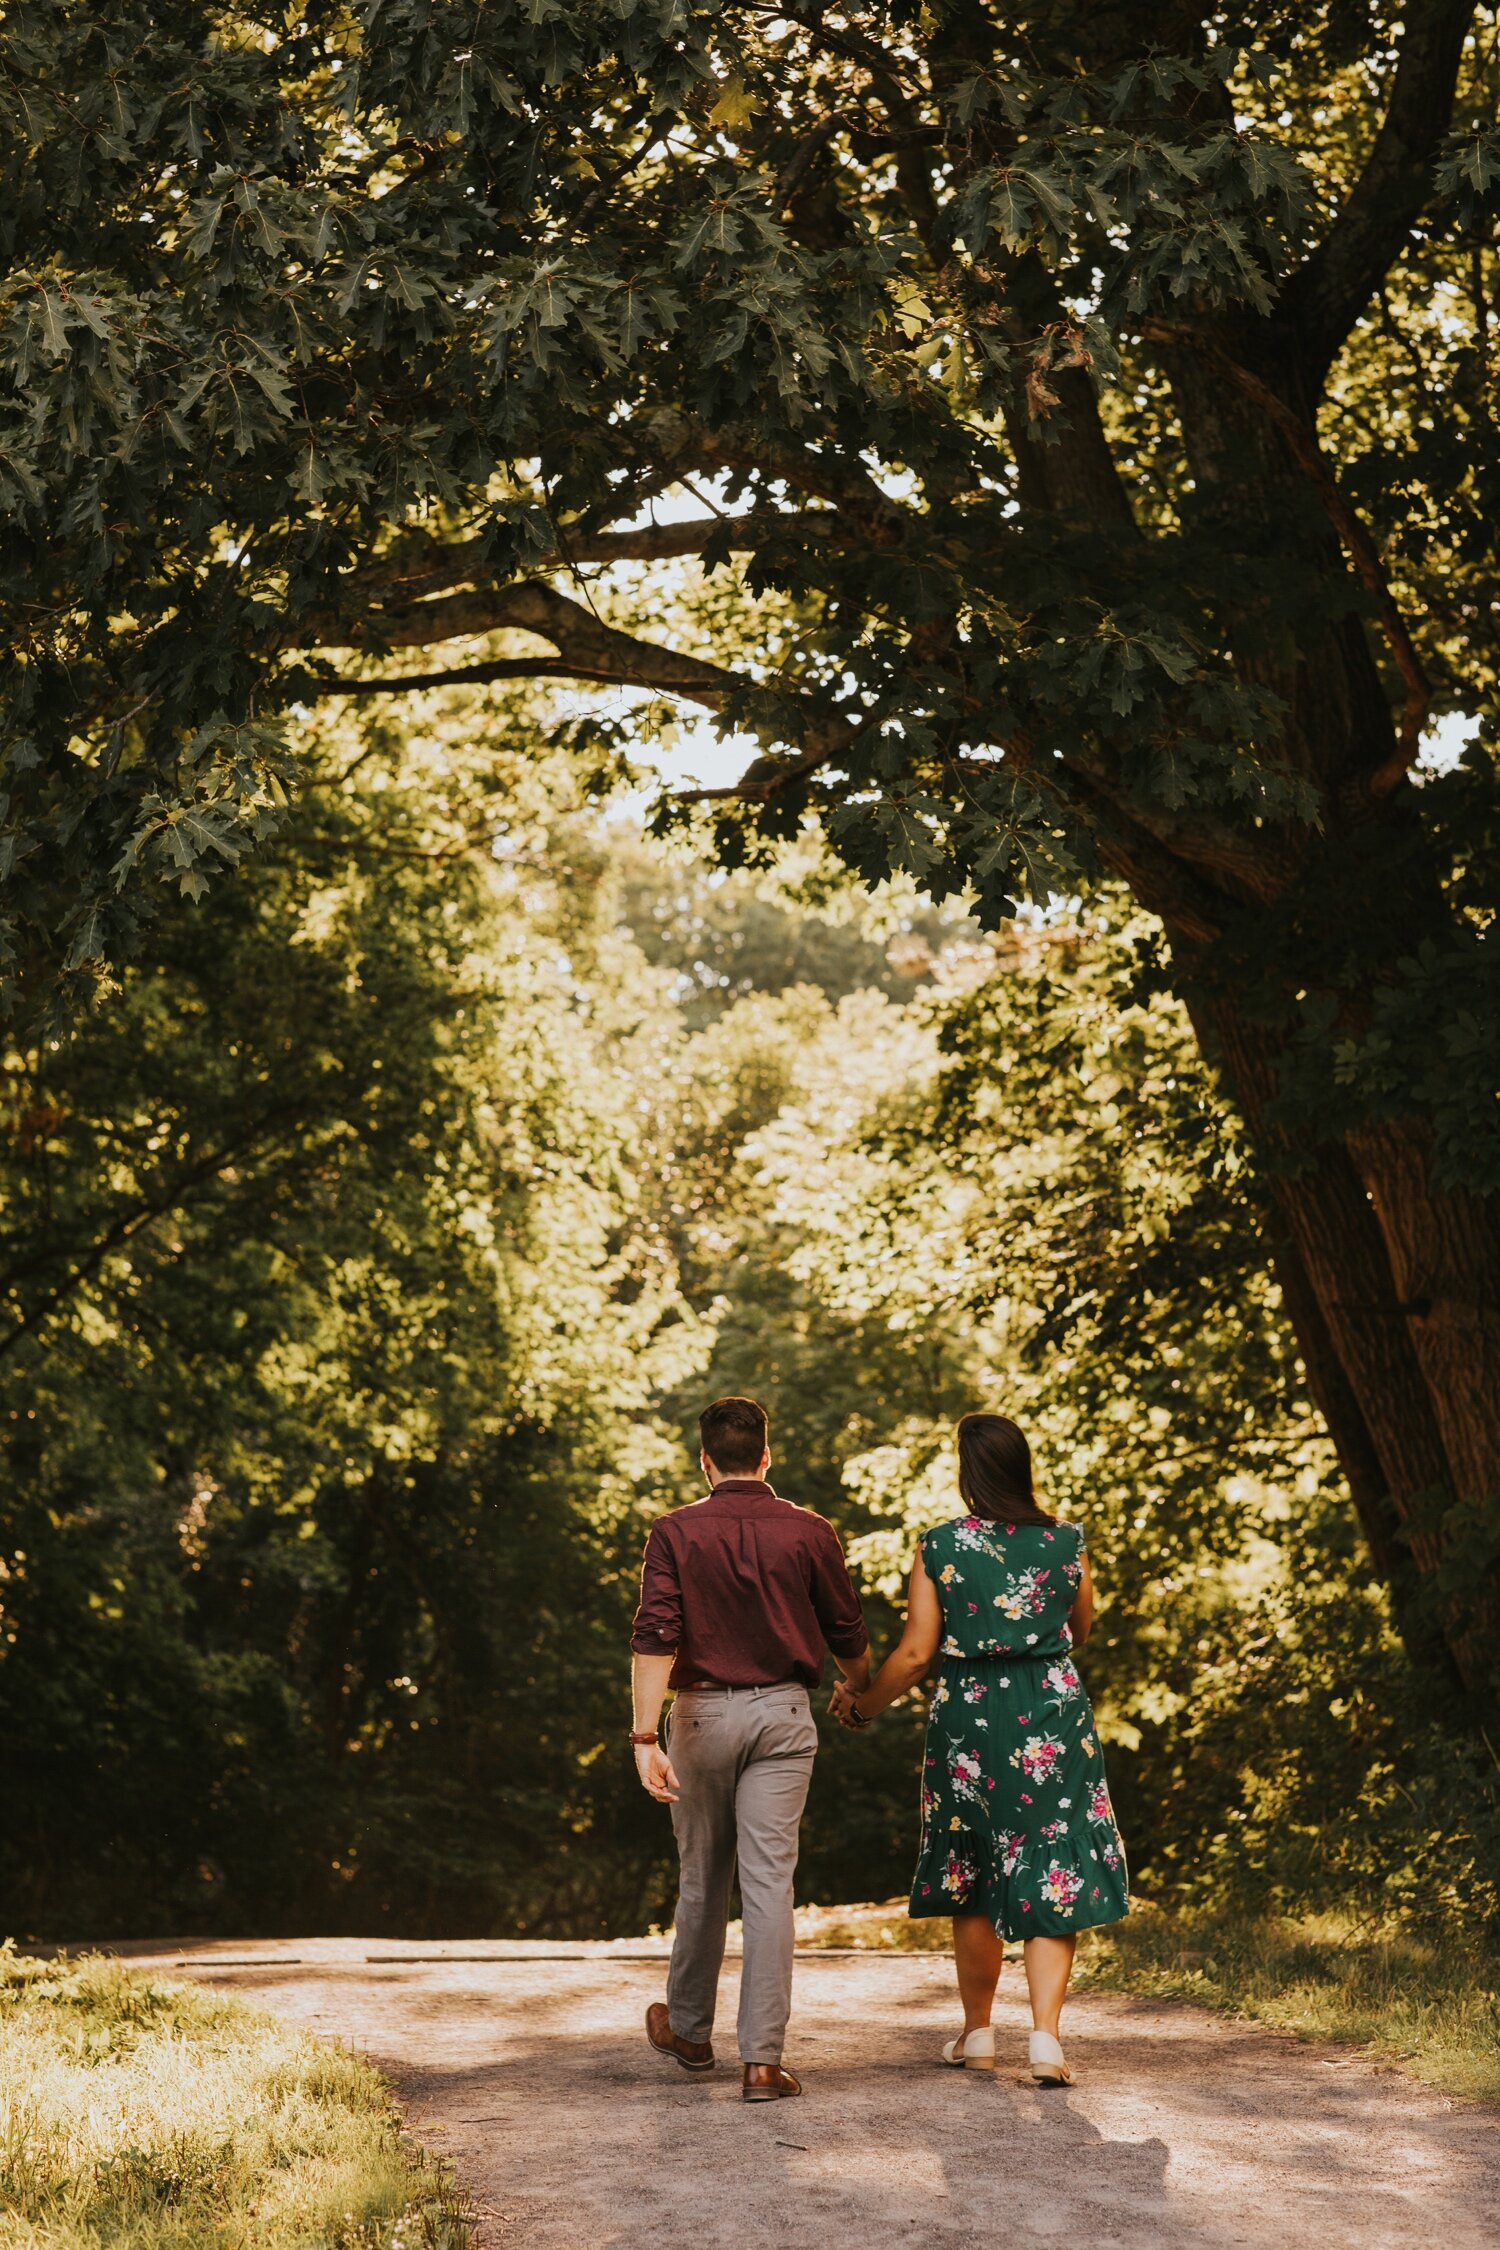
x,y
972,2050
1044,2061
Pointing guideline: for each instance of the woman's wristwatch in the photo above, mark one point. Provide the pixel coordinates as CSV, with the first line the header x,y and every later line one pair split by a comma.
x,y
853,1710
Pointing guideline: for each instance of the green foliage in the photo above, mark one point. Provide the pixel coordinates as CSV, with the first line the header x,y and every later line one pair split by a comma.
x,y
368,1247
329,1317
1085,423
1342,1783
369,1267
1063,1197
295,285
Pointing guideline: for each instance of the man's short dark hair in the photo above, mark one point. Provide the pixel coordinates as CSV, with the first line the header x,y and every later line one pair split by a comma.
x,y
733,1434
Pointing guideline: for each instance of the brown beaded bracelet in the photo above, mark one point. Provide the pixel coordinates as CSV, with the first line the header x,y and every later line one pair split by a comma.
x,y
640,1739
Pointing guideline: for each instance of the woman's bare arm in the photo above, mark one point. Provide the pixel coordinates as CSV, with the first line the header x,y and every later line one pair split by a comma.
x,y
912,1654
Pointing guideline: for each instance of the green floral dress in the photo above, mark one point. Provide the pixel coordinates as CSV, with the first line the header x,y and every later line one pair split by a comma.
x,y
1016,1817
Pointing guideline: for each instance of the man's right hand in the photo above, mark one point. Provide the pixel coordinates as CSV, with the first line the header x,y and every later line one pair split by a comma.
x,y
655,1769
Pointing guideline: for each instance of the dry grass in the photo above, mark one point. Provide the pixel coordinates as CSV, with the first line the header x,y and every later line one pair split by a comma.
x,y
1432,2009
137,2115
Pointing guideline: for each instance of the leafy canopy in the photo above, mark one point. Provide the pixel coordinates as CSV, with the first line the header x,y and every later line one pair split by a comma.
x,y
395,325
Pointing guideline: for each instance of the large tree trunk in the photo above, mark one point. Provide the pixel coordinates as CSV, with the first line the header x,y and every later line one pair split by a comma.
x,y
1445,1261
1393,1288
1405,1378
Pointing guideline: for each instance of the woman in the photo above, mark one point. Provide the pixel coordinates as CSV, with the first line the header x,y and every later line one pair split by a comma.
x,y
1018,1838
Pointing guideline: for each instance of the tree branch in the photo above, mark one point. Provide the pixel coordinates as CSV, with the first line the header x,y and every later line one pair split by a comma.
x,y
678,442
1172,889
590,650
1326,297
486,675
832,737
856,509
434,566
587,647
1190,908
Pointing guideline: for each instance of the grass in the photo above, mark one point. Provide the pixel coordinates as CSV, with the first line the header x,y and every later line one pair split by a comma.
x,y
138,2115
1432,2009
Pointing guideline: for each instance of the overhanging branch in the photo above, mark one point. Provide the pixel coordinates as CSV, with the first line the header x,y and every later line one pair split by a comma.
x,y
1326,297
433,566
586,647
487,675
589,650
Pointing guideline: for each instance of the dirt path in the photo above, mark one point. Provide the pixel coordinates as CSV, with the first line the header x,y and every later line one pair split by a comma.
x,y
527,2066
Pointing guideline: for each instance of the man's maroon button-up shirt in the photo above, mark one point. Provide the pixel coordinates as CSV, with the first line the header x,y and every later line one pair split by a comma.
x,y
747,1590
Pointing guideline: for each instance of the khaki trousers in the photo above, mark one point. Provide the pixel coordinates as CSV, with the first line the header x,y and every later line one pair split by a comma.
x,y
743,1759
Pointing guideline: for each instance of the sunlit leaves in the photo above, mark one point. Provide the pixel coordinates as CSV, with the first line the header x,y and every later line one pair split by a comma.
x,y
498,278
329,1328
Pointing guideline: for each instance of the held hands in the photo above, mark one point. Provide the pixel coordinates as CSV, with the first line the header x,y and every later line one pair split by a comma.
x,y
655,1769
841,1707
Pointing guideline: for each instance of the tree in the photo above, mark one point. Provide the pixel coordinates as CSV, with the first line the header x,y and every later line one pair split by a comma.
x,y
329,1329
1090,413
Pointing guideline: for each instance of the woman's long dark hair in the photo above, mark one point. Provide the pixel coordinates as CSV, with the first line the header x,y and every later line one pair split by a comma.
x,y
994,1471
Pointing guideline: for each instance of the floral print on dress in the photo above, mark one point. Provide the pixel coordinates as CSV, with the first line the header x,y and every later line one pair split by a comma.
x,y
1017,1822
960,1876
1060,1887
1038,1756
965,1774
1009,1849
1025,1596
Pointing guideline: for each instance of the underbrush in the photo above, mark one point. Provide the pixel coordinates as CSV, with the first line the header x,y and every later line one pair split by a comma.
x,y
136,2115
1429,2004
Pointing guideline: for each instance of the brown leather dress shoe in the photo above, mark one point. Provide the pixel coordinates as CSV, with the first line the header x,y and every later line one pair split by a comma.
x,y
693,2054
768,2082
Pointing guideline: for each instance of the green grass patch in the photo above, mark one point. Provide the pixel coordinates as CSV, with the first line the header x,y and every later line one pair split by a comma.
x,y
138,2115
1431,2006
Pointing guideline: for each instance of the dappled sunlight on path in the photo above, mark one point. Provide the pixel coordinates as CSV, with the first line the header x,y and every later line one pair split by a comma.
x,y
527,2066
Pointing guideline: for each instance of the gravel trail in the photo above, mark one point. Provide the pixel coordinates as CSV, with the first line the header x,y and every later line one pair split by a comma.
x,y
527,2066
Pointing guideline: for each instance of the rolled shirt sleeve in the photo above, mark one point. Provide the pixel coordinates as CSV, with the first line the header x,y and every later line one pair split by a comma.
x,y
657,1630
834,1599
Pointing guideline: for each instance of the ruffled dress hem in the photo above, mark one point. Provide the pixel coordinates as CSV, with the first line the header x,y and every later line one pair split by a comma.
x,y
1015,1927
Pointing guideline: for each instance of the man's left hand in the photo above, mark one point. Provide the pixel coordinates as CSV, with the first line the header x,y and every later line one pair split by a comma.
x,y
655,1769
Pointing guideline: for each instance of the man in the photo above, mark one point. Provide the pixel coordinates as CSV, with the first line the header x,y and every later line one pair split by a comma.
x,y
740,1594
